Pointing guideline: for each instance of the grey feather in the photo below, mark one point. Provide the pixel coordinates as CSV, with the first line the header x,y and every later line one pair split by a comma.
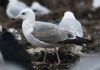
x,y
49,33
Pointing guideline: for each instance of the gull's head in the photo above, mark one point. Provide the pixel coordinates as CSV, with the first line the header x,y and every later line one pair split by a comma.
x,y
12,0
69,15
38,9
26,14
35,4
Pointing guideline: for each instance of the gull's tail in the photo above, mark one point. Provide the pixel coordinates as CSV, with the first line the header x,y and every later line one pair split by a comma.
x,y
77,41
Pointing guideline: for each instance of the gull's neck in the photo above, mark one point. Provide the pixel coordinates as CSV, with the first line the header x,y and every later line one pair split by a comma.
x,y
28,25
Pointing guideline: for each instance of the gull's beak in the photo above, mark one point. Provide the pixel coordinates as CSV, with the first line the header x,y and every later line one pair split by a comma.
x,y
17,17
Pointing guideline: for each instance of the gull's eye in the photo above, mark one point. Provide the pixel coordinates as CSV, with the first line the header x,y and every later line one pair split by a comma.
x,y
35,10
23,13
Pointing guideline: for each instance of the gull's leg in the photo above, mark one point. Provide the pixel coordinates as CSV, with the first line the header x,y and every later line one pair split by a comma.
x,y
44,58
58,58
45,54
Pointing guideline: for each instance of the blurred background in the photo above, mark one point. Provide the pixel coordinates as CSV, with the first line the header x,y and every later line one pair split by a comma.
x,y
86,11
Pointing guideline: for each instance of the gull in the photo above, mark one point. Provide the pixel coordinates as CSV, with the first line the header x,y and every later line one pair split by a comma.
x,y
74,27
44,34
71,24
41,34
96,4
14,7
39,9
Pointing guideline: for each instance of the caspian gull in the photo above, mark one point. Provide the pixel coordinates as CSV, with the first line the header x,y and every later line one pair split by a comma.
x,y
46,35
41,34
14,7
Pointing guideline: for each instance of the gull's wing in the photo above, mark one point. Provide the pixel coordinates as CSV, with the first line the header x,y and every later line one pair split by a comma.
x,y
49,33
72,25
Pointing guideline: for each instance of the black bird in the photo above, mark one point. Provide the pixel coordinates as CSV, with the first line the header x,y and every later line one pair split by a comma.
x,y
13,52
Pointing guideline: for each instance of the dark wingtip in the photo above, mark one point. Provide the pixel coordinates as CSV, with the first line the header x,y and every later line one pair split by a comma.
x,y
77,41
84,41
4,29
70,41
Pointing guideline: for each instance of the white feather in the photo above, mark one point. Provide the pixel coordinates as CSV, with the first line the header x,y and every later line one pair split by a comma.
x,y
70,24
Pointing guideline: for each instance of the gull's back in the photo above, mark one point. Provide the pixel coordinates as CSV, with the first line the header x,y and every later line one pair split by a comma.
x,y
72,25
49,33
44,26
